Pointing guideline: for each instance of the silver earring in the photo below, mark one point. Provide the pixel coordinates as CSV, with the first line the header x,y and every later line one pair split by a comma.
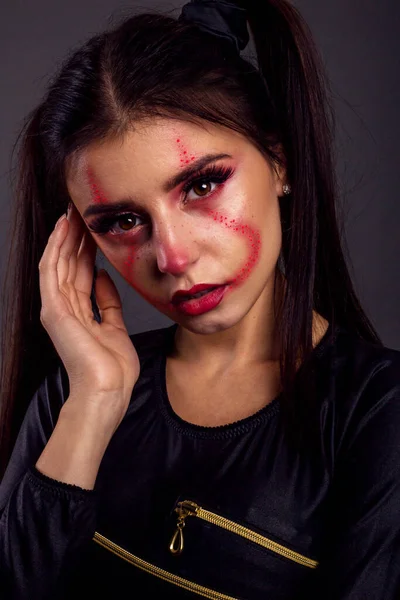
x,y
286,189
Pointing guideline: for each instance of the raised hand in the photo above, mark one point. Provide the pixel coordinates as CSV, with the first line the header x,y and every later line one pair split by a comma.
x,y
98,357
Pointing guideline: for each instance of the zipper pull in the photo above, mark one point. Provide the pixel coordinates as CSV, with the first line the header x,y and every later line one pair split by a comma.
x,y
176,545
184,509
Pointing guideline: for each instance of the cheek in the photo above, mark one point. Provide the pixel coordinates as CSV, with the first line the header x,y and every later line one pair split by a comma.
x,y
133,265
252,238
127,259
134,269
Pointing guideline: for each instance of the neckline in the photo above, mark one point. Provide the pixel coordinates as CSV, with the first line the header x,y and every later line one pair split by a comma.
x,y
227,430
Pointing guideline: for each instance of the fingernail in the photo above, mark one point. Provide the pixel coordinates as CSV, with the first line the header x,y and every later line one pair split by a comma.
x,y
69,209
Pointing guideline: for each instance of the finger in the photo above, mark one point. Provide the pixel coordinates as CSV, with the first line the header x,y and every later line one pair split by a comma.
x,y
69,249
85,274
108,300
73,259
48,274
86,258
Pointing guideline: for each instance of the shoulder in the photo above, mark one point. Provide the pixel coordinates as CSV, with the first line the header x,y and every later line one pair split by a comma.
x,y
365,365
366,394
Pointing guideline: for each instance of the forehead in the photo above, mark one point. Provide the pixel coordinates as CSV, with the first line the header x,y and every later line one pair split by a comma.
x,y
153,147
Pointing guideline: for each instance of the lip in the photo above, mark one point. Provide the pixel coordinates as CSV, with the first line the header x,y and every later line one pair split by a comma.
x,y
198,306
200,287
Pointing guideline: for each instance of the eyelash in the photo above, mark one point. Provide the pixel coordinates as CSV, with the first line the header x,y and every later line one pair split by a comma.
x,y
214,174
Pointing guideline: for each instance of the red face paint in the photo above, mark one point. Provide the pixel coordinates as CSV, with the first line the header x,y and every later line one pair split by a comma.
x,y
185,156
97,195
214,298
251,235
253,240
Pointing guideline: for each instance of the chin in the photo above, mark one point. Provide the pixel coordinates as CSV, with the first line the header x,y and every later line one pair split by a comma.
x,y
208,323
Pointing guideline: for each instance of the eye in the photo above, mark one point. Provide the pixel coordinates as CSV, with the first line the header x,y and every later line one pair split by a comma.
x,y
125,222
201,183
201,188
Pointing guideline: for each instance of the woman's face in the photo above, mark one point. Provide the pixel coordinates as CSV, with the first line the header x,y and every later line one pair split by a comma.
x,y
174,205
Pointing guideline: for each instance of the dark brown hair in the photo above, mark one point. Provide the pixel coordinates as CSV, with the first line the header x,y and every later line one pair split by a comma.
x,y
154,65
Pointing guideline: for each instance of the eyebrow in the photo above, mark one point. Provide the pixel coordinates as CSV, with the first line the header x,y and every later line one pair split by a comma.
x,y
181,177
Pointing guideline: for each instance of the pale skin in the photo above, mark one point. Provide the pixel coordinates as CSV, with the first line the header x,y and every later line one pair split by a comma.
x,y
216,231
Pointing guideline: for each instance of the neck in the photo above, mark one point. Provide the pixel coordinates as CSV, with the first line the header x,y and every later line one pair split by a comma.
x,y
252,340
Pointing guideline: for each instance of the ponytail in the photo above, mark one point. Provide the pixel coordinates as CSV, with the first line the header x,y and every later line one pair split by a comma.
x,y
27,353
317,277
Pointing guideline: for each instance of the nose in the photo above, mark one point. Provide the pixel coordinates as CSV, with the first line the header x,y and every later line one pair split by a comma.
x,y
175,249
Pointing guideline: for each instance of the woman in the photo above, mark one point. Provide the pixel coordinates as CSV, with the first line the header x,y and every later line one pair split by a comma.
x,y
251,449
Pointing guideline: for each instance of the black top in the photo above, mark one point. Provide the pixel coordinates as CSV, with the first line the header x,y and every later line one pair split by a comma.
x,y
291,528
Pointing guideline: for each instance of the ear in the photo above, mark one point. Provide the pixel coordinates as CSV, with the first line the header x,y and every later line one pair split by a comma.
x,y
279,171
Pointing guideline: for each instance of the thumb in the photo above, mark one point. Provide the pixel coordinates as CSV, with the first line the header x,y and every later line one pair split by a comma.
x,y
108,300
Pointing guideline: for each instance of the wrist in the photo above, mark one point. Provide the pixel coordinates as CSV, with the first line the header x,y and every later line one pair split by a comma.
x,y
77,444
101,411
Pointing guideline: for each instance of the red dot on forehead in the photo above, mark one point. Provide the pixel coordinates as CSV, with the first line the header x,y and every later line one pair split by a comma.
x,y
98,196
183,152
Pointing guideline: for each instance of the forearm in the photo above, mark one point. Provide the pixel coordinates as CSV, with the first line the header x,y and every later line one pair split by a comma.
x,y
76,447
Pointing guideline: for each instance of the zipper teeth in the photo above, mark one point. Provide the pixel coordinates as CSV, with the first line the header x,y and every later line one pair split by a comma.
x,y
206,515
157,571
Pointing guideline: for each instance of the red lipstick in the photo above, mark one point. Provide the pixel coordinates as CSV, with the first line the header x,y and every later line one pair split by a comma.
x,y
200,287
202,304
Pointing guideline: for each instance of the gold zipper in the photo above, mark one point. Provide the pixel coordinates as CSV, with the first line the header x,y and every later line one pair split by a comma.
x,y
157,571
187,508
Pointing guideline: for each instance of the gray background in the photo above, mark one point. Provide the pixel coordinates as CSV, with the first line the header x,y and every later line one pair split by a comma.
x,y
358,40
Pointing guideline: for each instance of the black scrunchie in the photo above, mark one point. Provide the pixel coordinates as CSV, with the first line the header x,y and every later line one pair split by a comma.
x,y
218,18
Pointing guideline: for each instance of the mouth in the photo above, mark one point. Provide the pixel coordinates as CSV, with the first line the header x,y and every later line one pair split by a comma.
x,y
200,301
197,291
